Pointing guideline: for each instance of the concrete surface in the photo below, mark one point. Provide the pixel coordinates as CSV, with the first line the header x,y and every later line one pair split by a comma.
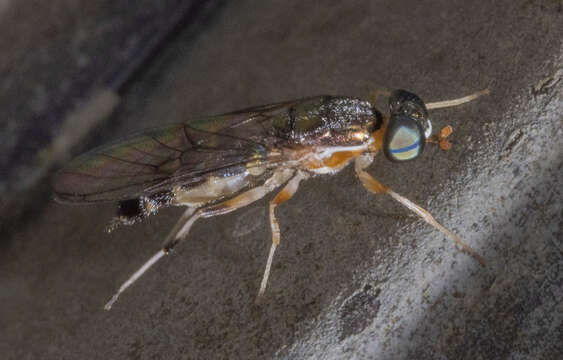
x,y
356,275
64,67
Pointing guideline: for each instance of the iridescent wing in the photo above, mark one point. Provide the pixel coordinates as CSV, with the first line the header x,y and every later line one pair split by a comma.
x,y
182,154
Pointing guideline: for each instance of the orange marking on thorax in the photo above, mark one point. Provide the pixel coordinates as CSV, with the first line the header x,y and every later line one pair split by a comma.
x,y
378,137
336,160
340,158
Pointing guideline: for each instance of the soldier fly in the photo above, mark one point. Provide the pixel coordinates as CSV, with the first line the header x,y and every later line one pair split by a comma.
x,y
218,164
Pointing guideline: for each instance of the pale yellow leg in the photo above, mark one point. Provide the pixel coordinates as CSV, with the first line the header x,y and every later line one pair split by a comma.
x,y
376,187
287,192
456,102
441,138
182,227
375,94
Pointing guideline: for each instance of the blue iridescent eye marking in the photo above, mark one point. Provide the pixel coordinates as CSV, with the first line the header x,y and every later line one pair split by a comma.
x,y
403,139
408,126
407,148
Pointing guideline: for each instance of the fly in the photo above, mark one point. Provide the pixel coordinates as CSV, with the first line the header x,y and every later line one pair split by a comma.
x,y
218,164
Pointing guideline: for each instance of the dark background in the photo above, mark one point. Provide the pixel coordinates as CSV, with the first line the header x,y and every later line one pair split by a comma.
x,y
356,276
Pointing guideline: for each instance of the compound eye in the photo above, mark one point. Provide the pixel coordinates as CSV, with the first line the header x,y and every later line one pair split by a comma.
x,y
404,138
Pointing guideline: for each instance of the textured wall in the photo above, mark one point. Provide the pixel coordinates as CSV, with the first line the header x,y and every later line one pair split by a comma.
x,y
356,276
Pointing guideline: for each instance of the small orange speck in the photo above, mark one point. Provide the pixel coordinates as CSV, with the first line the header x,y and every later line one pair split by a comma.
x,y
446,131
445,144
441,138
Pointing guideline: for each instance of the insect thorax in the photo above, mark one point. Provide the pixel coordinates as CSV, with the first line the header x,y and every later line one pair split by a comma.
x,y
326,120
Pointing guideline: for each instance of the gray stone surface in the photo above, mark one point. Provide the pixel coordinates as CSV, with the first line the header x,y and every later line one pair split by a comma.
x,y
356,276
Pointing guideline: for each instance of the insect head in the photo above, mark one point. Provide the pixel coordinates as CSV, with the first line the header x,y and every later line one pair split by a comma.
x,y
408,127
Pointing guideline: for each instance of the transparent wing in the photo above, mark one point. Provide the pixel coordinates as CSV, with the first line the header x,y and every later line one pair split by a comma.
x,y
182,154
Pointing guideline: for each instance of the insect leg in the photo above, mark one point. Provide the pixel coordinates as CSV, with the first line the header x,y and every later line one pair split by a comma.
x,y
458,101
182,227
376,187
285,194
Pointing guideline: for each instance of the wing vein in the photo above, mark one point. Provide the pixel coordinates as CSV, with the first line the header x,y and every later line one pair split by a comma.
x,y
228,136
129,161
163,144
147,153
